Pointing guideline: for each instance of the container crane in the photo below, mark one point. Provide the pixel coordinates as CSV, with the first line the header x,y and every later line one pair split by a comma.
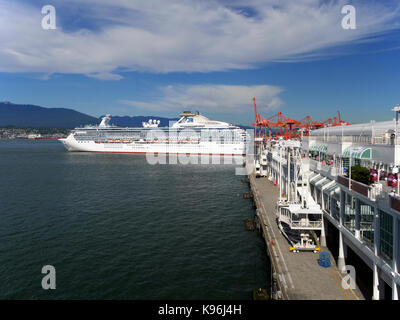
x,y
287,128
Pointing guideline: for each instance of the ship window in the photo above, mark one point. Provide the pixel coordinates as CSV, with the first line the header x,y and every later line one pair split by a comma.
x,y
386,235
367,223
349,212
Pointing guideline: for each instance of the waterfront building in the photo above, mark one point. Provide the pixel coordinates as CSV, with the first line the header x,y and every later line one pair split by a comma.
x,y
361,206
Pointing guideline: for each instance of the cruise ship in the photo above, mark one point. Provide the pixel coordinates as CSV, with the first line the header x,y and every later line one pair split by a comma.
x,y
192,134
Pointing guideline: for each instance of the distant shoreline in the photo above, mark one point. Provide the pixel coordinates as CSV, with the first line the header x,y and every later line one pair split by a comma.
x,y
33,133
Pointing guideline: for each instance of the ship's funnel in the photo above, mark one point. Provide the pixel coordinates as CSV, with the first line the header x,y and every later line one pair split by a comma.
x,y
105,121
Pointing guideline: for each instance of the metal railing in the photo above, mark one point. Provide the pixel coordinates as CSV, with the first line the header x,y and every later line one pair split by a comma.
x,y
332,170
380,140
306,224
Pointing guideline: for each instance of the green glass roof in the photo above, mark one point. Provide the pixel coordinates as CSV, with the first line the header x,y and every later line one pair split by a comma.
x,y
315,181
323,183
319,147
312,175
331,189
337,193
357,152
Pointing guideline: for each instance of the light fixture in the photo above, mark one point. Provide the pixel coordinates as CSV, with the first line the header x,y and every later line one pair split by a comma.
x,y
396,108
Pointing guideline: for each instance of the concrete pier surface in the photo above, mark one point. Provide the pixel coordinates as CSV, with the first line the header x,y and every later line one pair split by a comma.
x,y
300,277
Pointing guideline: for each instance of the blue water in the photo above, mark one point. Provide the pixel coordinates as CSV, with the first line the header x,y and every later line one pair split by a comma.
x,y
116,227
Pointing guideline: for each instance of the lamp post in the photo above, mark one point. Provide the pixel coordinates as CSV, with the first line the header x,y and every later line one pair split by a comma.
x,y
280,173
351,151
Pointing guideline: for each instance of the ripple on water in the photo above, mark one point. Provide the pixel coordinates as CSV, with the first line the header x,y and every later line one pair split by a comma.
x,y
116,227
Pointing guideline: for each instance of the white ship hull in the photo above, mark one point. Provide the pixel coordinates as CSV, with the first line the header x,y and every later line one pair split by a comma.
x,y
202,148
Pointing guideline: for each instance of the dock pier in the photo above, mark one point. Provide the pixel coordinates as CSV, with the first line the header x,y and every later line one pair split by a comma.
x,y
297,276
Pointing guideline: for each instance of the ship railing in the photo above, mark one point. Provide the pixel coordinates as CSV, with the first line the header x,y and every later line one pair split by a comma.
x,y
285,219
306,224
300,223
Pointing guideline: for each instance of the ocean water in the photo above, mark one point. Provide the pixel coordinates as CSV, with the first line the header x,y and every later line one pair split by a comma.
x,y
116,227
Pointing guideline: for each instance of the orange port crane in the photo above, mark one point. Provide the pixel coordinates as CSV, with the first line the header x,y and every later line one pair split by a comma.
x,y
336,121
261,125
287,128
307,124
281,125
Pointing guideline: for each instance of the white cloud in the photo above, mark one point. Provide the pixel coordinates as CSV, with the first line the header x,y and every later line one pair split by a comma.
x,y
105,76
175,35
212,98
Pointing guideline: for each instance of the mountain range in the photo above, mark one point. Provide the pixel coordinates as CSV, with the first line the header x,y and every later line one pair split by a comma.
x,y
27,115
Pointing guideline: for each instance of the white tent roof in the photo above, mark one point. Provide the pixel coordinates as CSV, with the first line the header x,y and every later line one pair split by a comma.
x,y
356,129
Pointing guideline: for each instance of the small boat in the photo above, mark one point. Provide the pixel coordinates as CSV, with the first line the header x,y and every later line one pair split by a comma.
x,y
260,294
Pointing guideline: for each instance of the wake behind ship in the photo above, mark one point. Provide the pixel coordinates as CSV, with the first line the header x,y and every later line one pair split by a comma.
x,y
191,134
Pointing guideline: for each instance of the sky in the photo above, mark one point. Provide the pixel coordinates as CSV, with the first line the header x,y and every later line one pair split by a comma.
x,y
160,57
